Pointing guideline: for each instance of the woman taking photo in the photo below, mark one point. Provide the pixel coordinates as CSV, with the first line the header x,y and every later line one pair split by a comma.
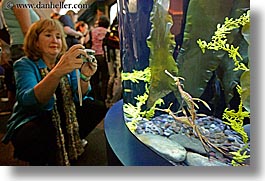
x,y
47,124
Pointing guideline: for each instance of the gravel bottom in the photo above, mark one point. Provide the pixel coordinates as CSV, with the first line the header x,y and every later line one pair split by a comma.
x,y
218,133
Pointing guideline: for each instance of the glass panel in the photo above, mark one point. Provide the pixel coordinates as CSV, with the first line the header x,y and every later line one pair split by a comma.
x,y
186,78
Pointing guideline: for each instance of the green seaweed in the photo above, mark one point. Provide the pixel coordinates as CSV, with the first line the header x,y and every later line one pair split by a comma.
x,y
235,119
196,64
198,68
201,20
219,40
137,75
137,113
219,43
245,77
161,43
238,157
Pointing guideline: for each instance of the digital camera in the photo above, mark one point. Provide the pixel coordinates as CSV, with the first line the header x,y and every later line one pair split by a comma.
x,y
91,57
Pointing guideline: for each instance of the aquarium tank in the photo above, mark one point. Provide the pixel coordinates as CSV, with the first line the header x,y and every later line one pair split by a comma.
x,y
186,78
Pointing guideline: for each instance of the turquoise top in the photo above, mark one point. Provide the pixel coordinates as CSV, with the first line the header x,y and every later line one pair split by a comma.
x,y
27,108
16,34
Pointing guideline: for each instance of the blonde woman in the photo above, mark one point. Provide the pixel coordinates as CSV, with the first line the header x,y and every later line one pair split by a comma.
x,y
47,124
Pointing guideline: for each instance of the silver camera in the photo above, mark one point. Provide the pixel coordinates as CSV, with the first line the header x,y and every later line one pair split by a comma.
x,y
91,57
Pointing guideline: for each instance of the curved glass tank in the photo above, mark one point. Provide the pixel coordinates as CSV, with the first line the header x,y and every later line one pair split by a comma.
x,y
186,78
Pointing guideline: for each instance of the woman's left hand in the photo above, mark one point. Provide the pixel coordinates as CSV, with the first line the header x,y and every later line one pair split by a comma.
x,y
89,68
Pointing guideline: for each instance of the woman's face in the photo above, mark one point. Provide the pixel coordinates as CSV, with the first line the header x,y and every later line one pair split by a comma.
x,y
50,43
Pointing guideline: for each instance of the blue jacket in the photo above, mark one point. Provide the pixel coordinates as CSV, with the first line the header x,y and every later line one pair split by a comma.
x,y
27,75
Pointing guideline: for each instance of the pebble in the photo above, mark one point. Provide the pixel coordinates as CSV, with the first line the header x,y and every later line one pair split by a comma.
x,y
212,128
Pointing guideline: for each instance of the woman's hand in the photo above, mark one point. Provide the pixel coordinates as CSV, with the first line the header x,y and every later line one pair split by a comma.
x,y
89,68
71,60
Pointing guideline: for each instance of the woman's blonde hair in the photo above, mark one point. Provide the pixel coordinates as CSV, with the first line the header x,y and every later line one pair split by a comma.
x,y
32,36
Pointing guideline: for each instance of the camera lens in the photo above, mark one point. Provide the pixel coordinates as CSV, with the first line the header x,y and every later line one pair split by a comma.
x,y
90,51
91,57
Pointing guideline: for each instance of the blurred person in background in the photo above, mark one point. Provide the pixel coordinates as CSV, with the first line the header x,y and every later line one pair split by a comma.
x,y
68,22
4,34
112,48
55,15
18,21
5,62
82,27
99,81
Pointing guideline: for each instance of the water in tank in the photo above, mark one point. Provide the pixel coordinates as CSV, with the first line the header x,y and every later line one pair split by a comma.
x,y
186,78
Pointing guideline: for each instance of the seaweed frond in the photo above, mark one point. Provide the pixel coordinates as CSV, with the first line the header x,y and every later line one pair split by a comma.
x,y
235,119
137,75
135,113
238,157
219,40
